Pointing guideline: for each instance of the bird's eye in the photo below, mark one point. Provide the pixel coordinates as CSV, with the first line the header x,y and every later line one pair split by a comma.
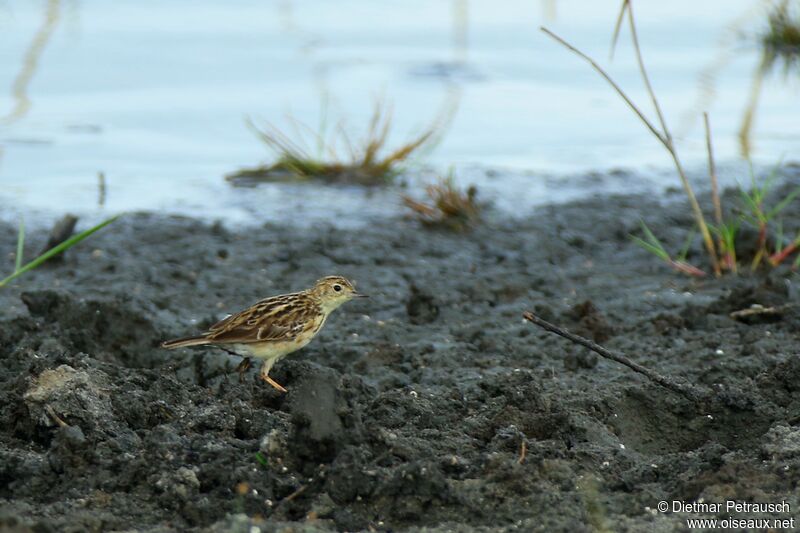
x,y
337,288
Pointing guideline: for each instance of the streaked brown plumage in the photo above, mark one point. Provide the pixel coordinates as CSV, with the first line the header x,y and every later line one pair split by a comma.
x,y
277,326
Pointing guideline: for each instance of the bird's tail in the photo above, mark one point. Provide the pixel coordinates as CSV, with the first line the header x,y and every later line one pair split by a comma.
x,y
184,341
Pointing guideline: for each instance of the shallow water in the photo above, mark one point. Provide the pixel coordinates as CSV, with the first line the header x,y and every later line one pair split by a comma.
x,y
156,98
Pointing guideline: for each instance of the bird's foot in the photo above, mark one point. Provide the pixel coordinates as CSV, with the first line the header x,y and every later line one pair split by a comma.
x,y
273,383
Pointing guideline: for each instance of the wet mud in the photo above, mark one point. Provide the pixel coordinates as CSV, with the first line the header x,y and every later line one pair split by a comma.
x,y
432,405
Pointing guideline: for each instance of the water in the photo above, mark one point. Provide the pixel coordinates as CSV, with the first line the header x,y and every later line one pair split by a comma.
x,y
156,97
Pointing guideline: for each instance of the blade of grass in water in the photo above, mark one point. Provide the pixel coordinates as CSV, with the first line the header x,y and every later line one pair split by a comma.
x,y
69,243
20,245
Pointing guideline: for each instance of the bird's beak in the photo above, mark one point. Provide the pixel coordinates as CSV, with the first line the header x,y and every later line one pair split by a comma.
x,y
359,295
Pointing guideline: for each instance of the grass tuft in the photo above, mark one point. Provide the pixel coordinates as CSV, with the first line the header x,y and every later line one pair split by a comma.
x,y
659,129
726,233
761,217
753,212
449,207
784,38
371,163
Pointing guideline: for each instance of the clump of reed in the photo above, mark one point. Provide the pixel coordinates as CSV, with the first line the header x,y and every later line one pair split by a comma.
x,y
370,162
447,206
720,238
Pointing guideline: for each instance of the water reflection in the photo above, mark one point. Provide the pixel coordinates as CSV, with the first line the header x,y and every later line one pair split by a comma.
x,y
156,97
549,11
780,45
457,69
30,62
460,31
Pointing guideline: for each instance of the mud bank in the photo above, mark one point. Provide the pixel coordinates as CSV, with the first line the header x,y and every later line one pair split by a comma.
x,y
430,405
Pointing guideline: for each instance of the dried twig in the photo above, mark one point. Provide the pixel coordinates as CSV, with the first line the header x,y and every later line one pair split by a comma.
x,y
295,494
756,310
687,391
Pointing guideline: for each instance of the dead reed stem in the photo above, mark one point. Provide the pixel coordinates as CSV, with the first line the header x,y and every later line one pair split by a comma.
x,y
664,136
712,173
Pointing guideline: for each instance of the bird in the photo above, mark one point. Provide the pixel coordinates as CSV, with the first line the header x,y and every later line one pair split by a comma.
x,y
276,326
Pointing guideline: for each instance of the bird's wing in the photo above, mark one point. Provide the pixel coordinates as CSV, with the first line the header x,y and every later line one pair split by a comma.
x,y
280,318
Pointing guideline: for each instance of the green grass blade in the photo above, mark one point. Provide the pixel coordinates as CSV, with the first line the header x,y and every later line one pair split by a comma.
x,y
727,232
686,245
261,459
752,204
773,173
69,243
653,240
654,249
783,203
760,193
20,245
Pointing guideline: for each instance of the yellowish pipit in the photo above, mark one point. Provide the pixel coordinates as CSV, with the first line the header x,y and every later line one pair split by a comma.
x,y
277,326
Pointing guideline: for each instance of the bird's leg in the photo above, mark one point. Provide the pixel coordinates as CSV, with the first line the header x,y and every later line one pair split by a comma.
x,y
243,367
264,374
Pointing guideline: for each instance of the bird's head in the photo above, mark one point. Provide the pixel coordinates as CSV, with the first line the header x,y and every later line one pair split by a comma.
x,y
333,291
